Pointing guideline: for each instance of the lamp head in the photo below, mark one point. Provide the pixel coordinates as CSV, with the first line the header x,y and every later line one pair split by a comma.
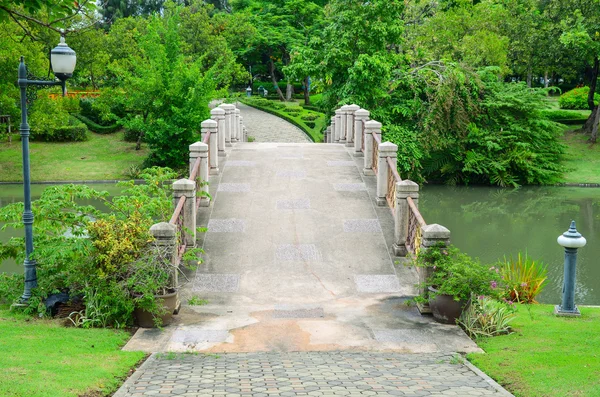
x,y
63,60
571,238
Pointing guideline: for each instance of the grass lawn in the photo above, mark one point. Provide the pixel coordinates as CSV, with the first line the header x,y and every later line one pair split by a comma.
x,y
101,157
582,160
311,122
40,358
547,355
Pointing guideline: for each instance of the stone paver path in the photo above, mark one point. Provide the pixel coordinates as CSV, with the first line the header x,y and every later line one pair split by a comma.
x,y
298,271
308,374
265,127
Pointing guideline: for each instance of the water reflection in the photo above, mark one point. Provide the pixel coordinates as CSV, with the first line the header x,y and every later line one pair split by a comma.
x,y
491,223
14,193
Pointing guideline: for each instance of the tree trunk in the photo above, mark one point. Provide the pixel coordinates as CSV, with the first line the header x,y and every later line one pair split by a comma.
x,y
593,82
595,125
529,77
546,79
289,91
272,68
306,92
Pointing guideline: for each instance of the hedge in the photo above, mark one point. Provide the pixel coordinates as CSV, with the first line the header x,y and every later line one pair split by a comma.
x,y
75,132
567,117
97,128
577,99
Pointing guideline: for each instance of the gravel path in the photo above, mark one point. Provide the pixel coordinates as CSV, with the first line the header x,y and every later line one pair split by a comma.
x,y
264,127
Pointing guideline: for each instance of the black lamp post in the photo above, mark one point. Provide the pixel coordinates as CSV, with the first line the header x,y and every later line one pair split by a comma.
x,y
63,61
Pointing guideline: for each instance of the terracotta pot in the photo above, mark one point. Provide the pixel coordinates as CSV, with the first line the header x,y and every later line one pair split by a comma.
x,y
444,308
144,318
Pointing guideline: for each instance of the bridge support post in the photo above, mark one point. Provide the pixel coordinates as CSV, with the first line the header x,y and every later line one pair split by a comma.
x,y
241,129
386,149
360,116
371,127
338,126
343,124
229,115
218,115
210,127
350,114
200,149
332,131
404,189
237,136
187,188
165,235
432,235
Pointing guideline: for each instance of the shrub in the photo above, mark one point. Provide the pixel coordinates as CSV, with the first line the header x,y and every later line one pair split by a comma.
x,y
310,116
74,131
97,128
577,99
487,317
524,278
565,116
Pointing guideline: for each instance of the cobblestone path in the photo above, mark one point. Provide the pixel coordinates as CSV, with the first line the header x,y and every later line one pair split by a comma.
x,y
308,374
264,127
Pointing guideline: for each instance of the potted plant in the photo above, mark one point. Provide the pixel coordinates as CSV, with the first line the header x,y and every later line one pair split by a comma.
x,y
454,279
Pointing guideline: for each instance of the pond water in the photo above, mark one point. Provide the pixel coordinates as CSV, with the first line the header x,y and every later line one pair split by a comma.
x,y
14,193
490,223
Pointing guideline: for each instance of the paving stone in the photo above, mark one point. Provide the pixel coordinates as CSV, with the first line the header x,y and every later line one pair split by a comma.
x,y
341,163
349,187
193,336
293,204
216,282
240,163
231,225
376,283
233,187
297,252
362,226
292,174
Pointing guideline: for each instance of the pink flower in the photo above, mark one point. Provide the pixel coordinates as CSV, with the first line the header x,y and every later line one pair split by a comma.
x,y
494,284
523,284
480,297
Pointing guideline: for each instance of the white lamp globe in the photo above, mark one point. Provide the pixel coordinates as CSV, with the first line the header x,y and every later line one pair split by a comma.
x,y
571,238
63,60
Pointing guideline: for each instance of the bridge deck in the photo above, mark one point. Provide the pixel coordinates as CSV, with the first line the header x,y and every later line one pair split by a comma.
x,y
297,258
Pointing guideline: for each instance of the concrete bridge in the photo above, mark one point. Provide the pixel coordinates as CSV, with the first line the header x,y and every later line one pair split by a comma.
x,y
305,251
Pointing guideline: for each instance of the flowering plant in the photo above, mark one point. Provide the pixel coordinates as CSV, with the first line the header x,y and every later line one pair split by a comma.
x,y
457,274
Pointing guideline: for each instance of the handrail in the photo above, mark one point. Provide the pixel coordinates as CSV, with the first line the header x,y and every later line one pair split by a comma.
x,y
178,209
376,143
206,138
377,138
393,178
415,211
392,166
195,170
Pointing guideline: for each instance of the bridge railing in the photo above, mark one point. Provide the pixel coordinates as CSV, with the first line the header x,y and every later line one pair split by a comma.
x,y
189,194
351,126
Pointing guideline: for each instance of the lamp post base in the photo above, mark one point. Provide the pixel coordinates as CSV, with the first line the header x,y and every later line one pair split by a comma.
x,y
561,313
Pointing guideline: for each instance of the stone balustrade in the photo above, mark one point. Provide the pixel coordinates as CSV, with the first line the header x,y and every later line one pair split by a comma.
x,y
179,234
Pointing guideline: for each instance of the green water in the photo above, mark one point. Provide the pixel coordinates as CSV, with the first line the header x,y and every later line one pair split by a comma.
x,y
490,223
14,193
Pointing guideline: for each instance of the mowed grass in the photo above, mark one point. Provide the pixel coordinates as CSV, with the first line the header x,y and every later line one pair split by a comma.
x,y
40,358
582,159
547,355
101,157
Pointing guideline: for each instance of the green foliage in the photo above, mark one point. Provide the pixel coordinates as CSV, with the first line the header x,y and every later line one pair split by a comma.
x,y
97,128
196,301
50,121
565,116
456,274
577,99
409,152
486,317
524,278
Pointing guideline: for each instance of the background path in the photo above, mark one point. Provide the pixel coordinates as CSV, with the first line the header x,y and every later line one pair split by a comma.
x,y
265,127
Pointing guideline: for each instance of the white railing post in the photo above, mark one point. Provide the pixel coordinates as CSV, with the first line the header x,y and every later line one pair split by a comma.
x,y
386,149
431,235
229,115
187,188
371,127
338,126
210,127
238,131
241,129
165,235
350,110
218,115
200,150
344,124
404,189
360,116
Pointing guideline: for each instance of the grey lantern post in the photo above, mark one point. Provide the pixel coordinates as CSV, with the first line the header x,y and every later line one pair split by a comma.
x,y
63,61
571,240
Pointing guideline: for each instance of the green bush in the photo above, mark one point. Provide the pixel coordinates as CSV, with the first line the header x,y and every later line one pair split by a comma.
x,y
487,317
577,99
61,128
97,128
565,116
